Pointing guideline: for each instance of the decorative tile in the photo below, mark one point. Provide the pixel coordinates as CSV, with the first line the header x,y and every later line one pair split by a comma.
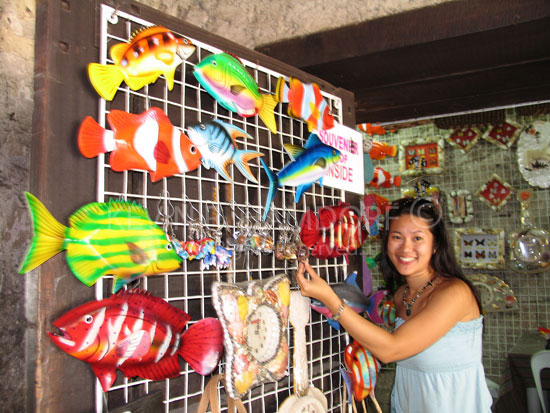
x,y
495,193
464,139
503,135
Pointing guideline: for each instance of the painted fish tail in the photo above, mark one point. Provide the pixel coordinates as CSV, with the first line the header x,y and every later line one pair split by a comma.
x,y
273,185
241,161
392,150
397,181
202,345
92,138
48,238
375,301
105,79
267,112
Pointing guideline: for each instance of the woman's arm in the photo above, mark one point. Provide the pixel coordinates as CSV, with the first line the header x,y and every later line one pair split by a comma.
x,y
446,306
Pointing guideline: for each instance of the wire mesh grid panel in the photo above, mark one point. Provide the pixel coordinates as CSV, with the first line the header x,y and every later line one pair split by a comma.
x,y
203,202
470,171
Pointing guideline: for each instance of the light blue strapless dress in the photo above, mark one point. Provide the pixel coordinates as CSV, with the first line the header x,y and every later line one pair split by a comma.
x,y
447,377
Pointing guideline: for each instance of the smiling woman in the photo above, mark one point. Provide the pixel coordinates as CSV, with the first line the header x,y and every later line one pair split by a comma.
x,y
437,340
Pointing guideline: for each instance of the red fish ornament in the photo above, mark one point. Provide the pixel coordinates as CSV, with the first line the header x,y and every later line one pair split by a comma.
x,y
305,102
139,334
379,150
363,369
151,52
383,178
147,141
371,129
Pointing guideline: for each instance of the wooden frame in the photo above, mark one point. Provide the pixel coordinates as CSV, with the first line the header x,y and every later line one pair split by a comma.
x,y
480,248
495,193
460,207
430,150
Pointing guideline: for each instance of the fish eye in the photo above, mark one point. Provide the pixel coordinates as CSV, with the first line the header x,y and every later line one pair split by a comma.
x,y
193,149
185,41
169,247
202,126
88,319
214,63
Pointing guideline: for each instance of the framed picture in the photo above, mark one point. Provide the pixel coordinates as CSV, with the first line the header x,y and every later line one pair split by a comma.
x,y
480,248
504,134
463,139
422,156
459,205
495,192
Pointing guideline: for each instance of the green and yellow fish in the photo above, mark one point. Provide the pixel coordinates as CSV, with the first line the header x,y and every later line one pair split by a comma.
x,y
114,237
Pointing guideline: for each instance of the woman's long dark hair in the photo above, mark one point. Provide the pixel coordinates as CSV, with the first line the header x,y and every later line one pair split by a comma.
x,y
443,260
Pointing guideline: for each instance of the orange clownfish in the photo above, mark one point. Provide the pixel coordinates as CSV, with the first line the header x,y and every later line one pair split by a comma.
x,y
151,52
380,150
383,178
147,141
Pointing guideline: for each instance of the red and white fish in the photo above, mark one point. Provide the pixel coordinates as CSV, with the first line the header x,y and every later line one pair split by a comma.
x,y
379,150
147,141
383,178
305,102
151,52
371,129
139,334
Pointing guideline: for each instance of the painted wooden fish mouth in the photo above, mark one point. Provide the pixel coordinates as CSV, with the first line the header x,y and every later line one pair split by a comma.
x,y
62,339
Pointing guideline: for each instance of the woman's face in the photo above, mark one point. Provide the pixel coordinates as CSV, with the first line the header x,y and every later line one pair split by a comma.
x,y
410,245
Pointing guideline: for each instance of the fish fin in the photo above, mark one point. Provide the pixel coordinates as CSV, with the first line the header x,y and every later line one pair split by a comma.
x,y
352,279
293,150
375,301
313,140
202,345
321,163
137,255
105,374
242,158
281,91
82,216
300,190
392,150
397,181
165,368
105,79
234,131
162,153
222,169
169,76
137,82
310,231
48,238
120,281
236,89
267,112
92,138
273,185
334,324
117,52
165,56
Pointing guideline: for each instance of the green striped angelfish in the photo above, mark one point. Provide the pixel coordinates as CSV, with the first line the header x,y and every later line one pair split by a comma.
x,y
114,237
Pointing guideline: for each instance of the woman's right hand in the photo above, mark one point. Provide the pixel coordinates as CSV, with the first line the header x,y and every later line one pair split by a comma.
x,y
315,286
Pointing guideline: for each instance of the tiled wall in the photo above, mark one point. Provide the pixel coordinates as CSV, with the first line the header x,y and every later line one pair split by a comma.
x,y
470,171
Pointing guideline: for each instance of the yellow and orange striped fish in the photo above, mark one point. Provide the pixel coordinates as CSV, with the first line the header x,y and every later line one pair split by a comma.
x,y
151,52
115,237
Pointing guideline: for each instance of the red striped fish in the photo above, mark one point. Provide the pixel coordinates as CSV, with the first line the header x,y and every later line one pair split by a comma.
x,y
139,334
363,368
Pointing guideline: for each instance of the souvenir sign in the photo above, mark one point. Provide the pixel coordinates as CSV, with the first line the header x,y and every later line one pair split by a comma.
x,y
534,154
464,138
460,208
495,294
504,134
495,192
421,156
480,248
254,318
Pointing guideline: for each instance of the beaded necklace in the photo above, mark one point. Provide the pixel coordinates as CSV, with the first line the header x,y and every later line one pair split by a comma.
x,y
406,290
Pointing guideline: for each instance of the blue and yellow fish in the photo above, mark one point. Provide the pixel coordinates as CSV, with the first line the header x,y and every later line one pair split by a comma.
x,y
308,165
115,237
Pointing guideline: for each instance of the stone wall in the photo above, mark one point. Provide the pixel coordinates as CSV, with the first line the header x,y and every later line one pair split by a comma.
x,y
248,22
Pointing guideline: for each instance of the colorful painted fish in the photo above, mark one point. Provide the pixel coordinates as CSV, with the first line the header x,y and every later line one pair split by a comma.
x,y
374,206
102,238
371,129
147,141
308,165
350,293
139,334
228,81
305,102
380,150
151,52
363,369
218,147
383,178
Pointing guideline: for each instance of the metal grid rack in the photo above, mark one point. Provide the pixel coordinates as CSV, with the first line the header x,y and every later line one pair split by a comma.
x,y
204,194
470,171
